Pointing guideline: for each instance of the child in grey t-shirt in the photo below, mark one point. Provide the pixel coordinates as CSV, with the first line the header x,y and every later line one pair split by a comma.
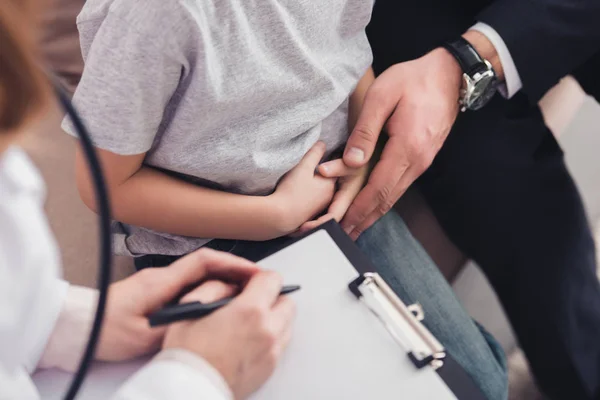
x,y
211,116
199,108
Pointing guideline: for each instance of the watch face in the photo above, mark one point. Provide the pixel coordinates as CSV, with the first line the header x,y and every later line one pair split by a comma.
x,y
483,90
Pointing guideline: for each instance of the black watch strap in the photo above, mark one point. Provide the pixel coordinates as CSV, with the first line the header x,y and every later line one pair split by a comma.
x,y
470,61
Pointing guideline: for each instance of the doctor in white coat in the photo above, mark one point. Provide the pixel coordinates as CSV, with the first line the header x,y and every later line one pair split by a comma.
x,y
44,322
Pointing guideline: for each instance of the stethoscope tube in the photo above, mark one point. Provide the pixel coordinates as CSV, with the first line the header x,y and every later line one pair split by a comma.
x,y
104,218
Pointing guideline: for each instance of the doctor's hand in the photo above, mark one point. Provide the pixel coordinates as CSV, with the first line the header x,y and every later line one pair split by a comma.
x,y
243,340
126,333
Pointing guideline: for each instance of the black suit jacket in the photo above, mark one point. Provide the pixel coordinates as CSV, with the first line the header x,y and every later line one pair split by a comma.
x,y
547,39
588,76
501,163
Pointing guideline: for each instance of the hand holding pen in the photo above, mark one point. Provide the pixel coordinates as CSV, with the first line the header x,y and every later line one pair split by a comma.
x,y
244,338
197,309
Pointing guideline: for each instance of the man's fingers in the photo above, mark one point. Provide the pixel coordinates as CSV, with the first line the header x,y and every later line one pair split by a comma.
x,y
407,179
262,290
210,291
377,194
376,110
355,222
361,207
366,224
342,200
336,169
393,174
313,157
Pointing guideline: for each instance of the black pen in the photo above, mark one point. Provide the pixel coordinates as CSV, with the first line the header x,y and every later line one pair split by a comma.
x,y
195,310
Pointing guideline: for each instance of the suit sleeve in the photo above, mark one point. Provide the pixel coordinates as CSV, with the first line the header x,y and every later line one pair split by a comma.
x,y
547,39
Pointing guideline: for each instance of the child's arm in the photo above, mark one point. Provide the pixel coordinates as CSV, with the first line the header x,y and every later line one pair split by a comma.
x,y
145,197
133,69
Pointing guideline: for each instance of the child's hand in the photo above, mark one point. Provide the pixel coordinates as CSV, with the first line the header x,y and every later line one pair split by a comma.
x,y
302,193
350,182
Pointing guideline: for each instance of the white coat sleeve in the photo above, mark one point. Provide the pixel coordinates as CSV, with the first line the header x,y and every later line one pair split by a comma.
x,y
71,332
172,374
175,374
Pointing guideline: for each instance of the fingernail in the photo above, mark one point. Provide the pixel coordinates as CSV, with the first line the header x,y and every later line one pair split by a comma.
x,y
355,154
349,229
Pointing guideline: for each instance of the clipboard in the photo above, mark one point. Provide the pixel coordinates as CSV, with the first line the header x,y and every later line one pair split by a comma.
x,y
423,356
402,322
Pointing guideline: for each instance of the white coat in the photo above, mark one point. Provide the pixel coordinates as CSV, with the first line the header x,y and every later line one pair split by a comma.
x,y
35,305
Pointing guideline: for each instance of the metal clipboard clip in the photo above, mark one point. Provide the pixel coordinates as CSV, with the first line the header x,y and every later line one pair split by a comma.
x,y
402,322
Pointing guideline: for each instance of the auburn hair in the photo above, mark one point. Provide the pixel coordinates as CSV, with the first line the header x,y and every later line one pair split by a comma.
x,y
23,87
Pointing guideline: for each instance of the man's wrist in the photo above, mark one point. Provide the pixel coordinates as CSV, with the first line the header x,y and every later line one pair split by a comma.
x,y
452,68
486,50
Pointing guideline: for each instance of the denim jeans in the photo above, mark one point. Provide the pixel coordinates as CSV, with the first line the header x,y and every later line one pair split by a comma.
x,y
403,263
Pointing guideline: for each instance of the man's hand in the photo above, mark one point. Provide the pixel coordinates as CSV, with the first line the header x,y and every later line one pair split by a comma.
x,y
419,101
126,333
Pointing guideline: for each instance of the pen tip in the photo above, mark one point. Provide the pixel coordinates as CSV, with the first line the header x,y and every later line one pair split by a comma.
x,y
290,288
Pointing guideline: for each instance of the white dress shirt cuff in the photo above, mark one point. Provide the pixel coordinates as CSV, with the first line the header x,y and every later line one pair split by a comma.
x,y
71,332
176,374
512,80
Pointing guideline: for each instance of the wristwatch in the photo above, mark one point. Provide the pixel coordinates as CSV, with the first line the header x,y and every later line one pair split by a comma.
x,y
479,79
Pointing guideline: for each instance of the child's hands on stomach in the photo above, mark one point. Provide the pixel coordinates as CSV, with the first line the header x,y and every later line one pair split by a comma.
x,y
350,182
302,194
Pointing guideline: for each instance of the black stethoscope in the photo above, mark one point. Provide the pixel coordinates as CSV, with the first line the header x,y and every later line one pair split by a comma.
x,y
105,261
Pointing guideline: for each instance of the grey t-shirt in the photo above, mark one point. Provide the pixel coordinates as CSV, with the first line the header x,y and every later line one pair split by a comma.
x,y
231,92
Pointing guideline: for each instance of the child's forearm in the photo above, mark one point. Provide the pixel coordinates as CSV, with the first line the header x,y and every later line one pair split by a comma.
x,y
154,200
357,98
